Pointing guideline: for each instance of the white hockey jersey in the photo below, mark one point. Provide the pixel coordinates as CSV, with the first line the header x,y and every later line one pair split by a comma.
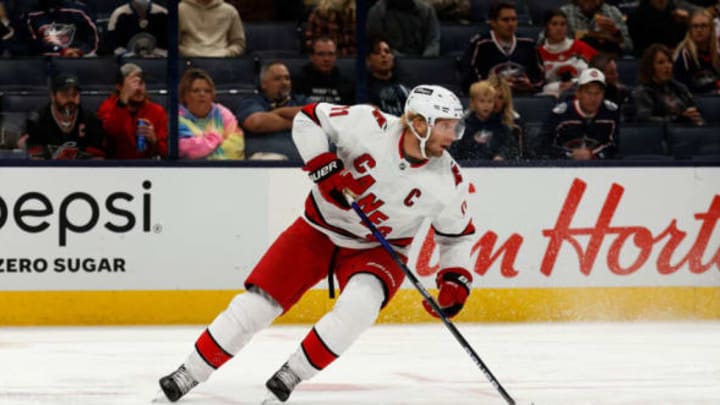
x,y
399,195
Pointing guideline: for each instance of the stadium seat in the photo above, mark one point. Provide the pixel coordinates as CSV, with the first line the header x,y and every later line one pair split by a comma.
x,y
641,140
347,66
272,143
12,127
24,103
441,71
529,31
231,100
272,36
23,75
709,107
94,73
454,38
691,142
628,71
534,108
479,10
230,73
537,9
294,65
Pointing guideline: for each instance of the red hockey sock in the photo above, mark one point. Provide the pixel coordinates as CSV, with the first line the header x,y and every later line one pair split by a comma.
x,y
316,351
210,350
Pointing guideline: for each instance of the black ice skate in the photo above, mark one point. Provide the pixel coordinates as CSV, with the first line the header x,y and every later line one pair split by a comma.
x,y
283,382
177,384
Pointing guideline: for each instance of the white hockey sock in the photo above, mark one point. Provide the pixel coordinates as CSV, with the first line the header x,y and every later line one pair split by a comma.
x,y
355,311
246,314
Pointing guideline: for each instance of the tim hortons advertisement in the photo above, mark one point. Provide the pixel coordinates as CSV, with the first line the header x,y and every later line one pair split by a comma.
x,y
204,228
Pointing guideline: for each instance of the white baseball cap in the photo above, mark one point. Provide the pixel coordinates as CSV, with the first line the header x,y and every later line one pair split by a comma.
x,y
591,75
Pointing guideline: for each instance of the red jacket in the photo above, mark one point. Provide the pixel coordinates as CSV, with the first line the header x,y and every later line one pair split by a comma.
x,y
120,128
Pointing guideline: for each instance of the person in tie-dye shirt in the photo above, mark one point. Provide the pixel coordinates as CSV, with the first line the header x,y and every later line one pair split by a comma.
x,y
207,130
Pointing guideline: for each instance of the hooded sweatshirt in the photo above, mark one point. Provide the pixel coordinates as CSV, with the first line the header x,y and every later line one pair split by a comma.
x,y
211,28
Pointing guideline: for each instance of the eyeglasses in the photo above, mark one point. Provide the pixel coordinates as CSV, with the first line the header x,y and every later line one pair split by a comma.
x,y
699,26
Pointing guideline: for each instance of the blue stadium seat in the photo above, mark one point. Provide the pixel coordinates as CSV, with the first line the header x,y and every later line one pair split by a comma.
x,y
23,75
689,142
230,73
709,107
231,100
628,71
454,38
275,143
272,36
529,31
94,73
294,65
24,103
534,108
441,71
12,127
537,9
641,140
347,66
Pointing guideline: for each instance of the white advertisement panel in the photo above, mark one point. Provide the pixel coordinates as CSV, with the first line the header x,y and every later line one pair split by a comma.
x,y
204,228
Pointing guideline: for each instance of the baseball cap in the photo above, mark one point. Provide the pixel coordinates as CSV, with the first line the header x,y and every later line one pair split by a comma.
x,y
126,70
64,81
591,75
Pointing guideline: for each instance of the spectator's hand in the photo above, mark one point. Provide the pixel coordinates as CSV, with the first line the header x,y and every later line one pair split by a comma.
x,y
71,53
148,131
693,115
583,153
606,24
130,85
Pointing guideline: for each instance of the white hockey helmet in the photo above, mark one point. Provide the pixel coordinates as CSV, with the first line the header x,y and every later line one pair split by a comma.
x,y
433,103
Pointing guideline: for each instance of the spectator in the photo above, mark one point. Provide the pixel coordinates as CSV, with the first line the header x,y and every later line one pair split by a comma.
x,y
656,21
210,28
6,30
320,79
334,19
486,136
502,53
697,63
504,107
452,11
138,28
660,98
600,25
384,89
615,91
63,129
585,127
563,58
271,113
59,28
206,130
410,27
124,110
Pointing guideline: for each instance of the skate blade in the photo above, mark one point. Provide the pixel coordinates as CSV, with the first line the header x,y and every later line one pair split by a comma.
x,y
160,398
270,399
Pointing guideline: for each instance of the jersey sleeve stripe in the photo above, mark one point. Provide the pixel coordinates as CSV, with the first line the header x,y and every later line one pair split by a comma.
x,y
309,111
469,230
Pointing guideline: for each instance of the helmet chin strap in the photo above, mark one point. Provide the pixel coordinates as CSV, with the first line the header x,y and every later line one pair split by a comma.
x,y
422,140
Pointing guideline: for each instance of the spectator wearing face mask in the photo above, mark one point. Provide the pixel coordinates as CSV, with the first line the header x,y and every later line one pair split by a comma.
x,y
138,28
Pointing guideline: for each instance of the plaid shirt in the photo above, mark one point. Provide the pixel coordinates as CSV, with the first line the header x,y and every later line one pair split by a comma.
x,y
339,27
577,21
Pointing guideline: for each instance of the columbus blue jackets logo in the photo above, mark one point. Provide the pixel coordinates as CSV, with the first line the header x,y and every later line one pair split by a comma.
x,y
60,35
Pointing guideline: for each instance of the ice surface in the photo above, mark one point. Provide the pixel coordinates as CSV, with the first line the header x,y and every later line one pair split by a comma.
x,y
546,363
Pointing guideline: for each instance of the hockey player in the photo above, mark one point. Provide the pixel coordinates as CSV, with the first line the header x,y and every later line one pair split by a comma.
x,y
399,172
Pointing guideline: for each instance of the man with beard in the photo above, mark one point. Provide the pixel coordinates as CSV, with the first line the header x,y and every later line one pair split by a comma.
x,y
63,130
59,28
267,116
136,128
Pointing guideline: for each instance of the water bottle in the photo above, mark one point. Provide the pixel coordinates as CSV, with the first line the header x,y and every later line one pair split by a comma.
x,y
140,140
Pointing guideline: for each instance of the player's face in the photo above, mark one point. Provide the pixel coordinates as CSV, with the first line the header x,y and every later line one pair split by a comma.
x,y
590,97
324,56
66,101
483,105
444,133
199,98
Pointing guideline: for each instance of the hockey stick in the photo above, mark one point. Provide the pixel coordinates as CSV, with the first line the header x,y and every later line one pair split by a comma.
x,y
431,301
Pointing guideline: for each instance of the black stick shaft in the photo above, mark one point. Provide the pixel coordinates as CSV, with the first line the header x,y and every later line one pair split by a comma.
x,y
426,295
